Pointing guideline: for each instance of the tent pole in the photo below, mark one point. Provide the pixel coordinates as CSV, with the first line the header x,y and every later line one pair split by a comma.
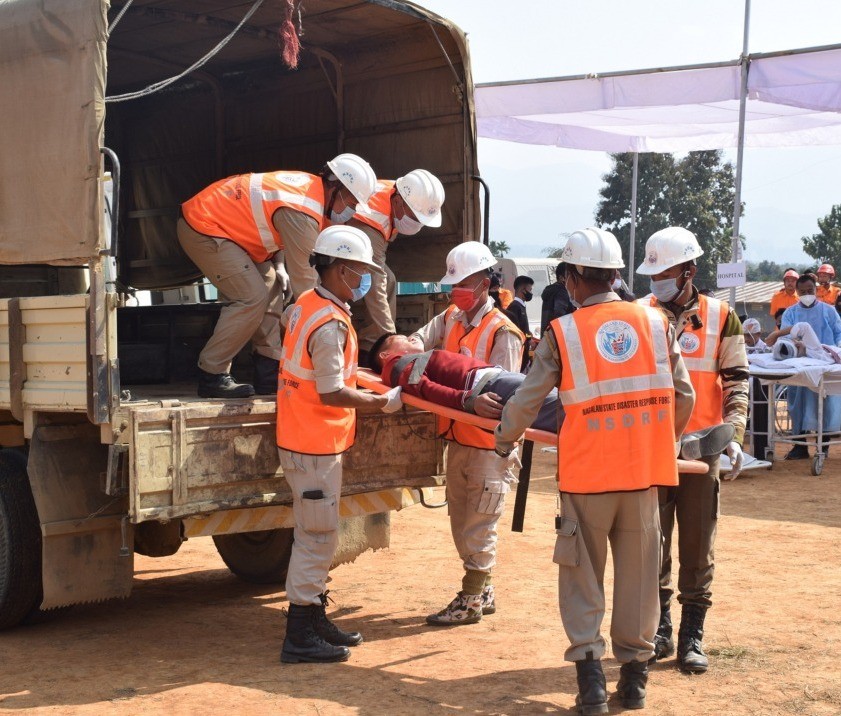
x,y
740,152
634,182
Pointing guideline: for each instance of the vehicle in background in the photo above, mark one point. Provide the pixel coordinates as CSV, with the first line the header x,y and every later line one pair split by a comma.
x,y
543,273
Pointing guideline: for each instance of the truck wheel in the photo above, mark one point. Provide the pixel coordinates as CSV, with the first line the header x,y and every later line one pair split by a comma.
x,y
20,543
257,557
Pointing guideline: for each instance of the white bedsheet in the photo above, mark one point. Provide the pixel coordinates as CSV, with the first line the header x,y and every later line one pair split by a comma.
x,y
797,371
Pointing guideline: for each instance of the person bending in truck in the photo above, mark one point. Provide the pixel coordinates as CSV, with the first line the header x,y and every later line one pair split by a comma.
x,y
402,206
238,231
316,424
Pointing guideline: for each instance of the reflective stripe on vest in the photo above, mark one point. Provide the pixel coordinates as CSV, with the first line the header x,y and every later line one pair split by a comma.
x,y
699,348
478,343
240,208
378,214
304,423
618,396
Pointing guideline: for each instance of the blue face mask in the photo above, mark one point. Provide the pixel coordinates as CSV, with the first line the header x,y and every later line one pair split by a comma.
x,y
665,290
364,285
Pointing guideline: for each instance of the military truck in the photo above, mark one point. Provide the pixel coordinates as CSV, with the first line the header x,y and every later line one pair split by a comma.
x,y
113,116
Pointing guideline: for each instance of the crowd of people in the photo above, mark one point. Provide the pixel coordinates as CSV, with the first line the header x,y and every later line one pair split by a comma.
x,y
807,315
620,382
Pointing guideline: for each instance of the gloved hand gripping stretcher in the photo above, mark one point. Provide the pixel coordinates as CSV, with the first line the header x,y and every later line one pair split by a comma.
x,y
371,381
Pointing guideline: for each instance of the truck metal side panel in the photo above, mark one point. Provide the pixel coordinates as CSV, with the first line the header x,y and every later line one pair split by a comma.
x,y
204,456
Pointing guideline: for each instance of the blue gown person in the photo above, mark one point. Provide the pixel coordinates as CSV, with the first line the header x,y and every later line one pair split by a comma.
x,y
802,402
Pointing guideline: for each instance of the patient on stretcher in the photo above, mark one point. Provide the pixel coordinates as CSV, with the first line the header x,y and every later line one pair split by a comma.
x,y
801,341
454,380
464,383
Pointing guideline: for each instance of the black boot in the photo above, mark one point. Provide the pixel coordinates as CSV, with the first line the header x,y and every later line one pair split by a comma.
x,y
664,645
265,374
592,688
633,677
222,385
328,631
690,656
302,643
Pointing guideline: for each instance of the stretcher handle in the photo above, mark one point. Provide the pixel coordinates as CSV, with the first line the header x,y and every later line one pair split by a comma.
x,y
367,379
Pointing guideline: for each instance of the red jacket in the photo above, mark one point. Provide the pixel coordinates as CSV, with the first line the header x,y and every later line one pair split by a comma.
x,y
446,379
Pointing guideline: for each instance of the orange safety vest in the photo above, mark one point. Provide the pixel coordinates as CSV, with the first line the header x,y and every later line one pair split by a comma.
x,y
379,215
827,295
781,299
241,207
478,343
618,395
699,348
304,423
505,298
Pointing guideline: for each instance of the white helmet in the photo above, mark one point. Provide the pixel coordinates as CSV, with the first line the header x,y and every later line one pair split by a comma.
x,y
669,247
345,242
356,174
423,192
466,259
593,247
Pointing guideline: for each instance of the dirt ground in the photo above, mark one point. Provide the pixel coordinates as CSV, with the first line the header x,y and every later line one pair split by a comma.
x,y
194,639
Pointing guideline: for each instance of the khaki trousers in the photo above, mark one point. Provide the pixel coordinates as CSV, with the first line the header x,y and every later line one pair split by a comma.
x,y
255,299
630,522
695,504
477,483
381,299
298,233
316,522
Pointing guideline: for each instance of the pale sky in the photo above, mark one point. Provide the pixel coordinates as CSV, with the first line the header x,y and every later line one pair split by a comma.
x,y
538,193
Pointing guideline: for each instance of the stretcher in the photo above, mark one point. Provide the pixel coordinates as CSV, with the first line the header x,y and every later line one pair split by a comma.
x,y
821,378
371,381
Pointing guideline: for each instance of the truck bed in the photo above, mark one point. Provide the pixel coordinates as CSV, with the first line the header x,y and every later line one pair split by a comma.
x,y
183,455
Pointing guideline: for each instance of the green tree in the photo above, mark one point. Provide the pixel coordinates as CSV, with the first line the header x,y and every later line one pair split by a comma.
x,y
499,248
825,246
771,270
695,192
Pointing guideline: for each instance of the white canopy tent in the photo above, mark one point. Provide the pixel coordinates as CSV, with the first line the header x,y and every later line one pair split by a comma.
x,y
781,99
793,99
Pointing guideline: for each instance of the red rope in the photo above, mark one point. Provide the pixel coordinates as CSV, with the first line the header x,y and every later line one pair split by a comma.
x,y
288,36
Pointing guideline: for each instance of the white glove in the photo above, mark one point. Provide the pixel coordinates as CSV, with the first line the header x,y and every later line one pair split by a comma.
x,y
737,457
394,402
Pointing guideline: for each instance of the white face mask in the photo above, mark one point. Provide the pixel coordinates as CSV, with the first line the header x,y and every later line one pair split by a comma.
x,y
807,300
407,226
665,290
617,284
343,216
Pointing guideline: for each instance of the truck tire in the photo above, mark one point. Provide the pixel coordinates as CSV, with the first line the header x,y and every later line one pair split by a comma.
x,y
257,557
20,543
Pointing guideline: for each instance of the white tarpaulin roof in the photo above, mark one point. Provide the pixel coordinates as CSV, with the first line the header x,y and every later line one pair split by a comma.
x,y
794,99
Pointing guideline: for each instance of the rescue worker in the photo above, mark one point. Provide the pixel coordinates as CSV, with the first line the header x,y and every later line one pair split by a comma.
x,y
713,348
627,398
827,291
477,478
403,206
786,296
237,231
317,402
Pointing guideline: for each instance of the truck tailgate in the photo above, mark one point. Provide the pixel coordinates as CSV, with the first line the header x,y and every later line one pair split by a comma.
x,y
203,456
